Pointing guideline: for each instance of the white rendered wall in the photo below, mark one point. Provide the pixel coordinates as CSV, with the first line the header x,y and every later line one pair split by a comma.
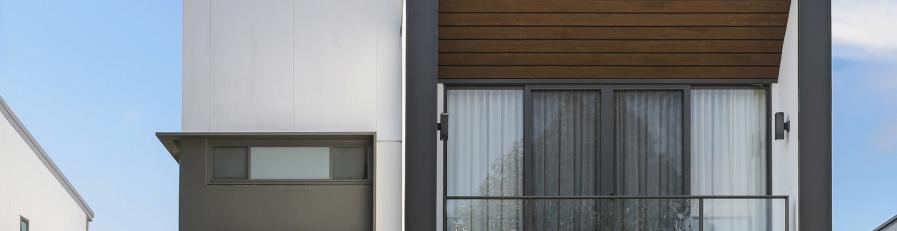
x,y
785,99
300,66
29,189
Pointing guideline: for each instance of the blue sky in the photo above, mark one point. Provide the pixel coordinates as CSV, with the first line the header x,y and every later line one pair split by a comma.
x,y
93,80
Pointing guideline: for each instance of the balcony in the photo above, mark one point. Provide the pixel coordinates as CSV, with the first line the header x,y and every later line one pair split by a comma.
x,y
575,213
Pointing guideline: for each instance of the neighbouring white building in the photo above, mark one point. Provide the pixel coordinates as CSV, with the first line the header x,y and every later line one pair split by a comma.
x,y
34,194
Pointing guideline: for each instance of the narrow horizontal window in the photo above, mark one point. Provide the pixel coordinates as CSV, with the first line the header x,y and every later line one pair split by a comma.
x,y
278,163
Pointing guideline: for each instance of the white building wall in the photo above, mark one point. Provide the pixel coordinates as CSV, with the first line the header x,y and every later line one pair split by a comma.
x,y
785,99
29,189
300,66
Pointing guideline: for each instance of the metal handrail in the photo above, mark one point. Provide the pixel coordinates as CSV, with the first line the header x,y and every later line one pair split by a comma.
x,y
700,199
619,197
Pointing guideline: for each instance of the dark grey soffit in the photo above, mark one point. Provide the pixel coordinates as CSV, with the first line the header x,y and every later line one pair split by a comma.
x,y
42,155
171,140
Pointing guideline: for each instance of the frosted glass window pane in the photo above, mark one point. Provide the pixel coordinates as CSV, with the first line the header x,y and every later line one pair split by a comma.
x,y
485,145
728,142
485,157
728,155
289,163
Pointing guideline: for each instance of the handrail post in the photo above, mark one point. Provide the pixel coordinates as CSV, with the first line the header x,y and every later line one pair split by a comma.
x,y
700,214
787,215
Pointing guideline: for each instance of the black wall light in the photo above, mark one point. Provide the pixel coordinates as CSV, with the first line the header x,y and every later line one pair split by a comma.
x,y
443,126
781,125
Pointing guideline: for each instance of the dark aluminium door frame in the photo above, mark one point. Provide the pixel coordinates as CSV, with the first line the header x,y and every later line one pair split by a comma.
x,y
814,74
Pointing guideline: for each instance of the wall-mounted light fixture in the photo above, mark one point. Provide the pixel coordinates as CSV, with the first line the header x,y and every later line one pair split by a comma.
x,y
782,126
442,126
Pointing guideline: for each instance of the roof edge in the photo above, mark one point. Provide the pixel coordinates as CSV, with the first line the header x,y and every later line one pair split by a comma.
x,y
42,155
887,223
171,140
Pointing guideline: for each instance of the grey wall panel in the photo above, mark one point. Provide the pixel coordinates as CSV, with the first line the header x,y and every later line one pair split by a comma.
x,y
193,207
420,116
815,95
266,207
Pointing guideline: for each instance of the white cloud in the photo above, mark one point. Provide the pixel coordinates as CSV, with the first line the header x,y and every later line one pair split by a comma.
x,y
862,28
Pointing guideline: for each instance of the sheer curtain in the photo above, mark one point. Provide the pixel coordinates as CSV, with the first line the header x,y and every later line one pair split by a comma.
x,y
728,155
485,158
565,154
649,147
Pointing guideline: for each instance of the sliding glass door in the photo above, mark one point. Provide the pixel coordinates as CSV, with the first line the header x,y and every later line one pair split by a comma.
x,y
536,157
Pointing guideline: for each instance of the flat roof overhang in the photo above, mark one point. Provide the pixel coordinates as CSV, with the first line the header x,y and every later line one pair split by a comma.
x,y
172,140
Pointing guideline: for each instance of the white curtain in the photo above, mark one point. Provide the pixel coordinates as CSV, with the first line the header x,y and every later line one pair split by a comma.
x,y
485,158
649,144
728,156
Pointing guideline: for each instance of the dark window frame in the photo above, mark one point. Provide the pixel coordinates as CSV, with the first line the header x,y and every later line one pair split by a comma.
x,y
332,142
608,113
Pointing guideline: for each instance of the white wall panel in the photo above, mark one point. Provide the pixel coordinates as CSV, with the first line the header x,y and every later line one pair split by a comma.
x,y
785,99
389,71
195,69
336,65
293,65
251,65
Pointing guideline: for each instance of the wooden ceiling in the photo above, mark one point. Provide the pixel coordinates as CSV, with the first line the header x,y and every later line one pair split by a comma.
x,y
502,39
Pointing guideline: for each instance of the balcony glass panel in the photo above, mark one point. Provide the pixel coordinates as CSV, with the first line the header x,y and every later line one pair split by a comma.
x,y
617,213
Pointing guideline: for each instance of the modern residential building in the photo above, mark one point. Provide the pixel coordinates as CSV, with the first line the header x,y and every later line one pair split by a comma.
x,y
504,115
34,194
